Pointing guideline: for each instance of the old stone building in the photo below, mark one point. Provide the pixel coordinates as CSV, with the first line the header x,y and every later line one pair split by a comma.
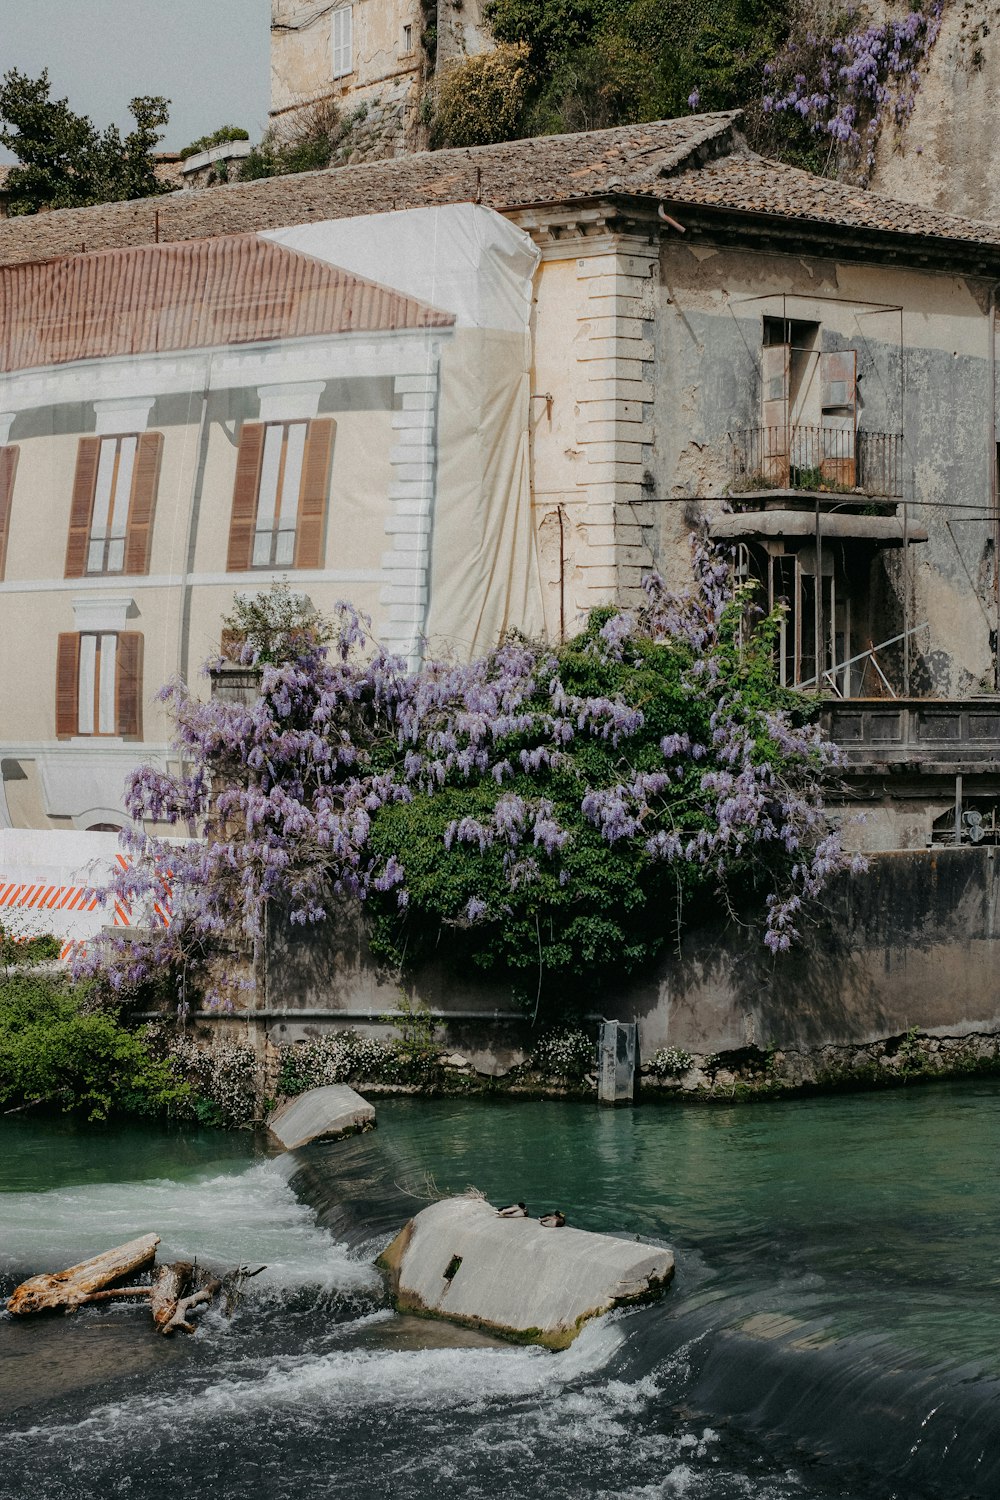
x,y
706,336
372,59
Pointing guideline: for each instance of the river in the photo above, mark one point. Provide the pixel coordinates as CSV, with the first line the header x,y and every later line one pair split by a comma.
x,y
832,1329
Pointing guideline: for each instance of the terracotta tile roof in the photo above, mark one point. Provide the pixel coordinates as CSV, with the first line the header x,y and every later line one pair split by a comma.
x,y
752,184
699,160
546,169
236,289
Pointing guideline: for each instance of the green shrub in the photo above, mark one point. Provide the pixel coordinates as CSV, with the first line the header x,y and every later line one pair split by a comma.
x,y
482,99
564,1053
670,1062
54,1052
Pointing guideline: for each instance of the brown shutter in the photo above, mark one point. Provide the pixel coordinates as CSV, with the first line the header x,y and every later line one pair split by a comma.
x,y
8,468
142,502
84,488
128,684
248,461
310,531
67,686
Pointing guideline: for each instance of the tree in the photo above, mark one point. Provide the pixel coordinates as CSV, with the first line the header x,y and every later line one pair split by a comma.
x,y
549,814
64,161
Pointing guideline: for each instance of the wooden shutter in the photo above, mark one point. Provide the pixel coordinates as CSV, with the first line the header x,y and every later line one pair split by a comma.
x,y
67,686
8,468
774,443
248,462
128,684
310,529
142,502
838,375
82,509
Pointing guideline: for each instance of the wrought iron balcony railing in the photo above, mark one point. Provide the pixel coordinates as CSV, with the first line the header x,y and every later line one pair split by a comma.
x,y
824,458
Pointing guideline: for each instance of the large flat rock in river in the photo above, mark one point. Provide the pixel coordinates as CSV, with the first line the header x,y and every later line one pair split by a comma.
x,y
321,1115
458,1259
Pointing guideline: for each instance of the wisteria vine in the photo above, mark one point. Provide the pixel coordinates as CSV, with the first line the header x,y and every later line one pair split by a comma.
x,y
845,87
540,811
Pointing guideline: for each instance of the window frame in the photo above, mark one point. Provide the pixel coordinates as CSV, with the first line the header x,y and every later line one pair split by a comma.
x,y
342,42
111,688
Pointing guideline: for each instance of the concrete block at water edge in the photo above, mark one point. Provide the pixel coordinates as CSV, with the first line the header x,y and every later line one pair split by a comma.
x,y
321,1115
459,1260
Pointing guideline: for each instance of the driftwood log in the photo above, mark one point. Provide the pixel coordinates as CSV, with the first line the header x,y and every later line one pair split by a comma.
x,y
179,1318
177,1289
86,1282
169,1287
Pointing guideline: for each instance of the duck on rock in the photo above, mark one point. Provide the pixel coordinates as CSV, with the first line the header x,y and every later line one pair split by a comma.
x,y
554,1220
512,1211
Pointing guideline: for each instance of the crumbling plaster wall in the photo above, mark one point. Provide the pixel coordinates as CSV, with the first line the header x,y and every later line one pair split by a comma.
x,y
909,942
708,336
945,156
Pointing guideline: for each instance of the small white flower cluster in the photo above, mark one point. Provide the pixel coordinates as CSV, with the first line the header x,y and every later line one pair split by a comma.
x,y
568,1053
228,1077
669,1062
343,1055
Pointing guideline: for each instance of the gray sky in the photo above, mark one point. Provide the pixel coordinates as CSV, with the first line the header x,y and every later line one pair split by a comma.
x,y
210,57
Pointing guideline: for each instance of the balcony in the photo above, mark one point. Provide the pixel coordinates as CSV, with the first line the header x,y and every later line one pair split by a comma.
x,y
825,459
937,736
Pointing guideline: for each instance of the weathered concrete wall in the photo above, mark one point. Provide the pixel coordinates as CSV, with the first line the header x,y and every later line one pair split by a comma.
x,y
914,942
924,353
945,157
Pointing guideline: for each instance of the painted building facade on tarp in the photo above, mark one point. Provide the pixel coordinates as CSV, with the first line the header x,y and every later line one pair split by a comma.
x,y
185,422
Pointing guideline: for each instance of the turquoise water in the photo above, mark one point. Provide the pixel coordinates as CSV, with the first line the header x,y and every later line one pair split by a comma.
x,y
832,1328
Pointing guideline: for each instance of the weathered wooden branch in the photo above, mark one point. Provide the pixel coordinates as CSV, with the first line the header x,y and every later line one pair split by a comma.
x,y
167,1290
76,1286
186,1304
116,1292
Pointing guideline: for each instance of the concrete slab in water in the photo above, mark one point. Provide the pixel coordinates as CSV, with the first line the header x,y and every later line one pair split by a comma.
x,y
321,1115
458,1260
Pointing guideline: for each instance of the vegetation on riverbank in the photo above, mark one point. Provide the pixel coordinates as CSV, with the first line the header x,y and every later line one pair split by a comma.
x,y
58,1054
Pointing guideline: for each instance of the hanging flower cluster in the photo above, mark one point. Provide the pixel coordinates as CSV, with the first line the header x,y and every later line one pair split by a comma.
x,y
549,811
846,87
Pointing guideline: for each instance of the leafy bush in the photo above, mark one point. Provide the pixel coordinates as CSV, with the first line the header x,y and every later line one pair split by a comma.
x,y
223,1084
481,99
567,1053
670,1062
344,1057
306,144
18,949
54,1052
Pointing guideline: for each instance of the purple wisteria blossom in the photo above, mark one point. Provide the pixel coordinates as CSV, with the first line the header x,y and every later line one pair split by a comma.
x,y
846,86
534,802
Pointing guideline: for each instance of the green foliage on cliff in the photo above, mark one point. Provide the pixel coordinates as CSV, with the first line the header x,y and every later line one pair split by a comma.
x,y
596,63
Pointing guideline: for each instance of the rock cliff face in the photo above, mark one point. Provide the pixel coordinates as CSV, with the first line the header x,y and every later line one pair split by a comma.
x,y
945,156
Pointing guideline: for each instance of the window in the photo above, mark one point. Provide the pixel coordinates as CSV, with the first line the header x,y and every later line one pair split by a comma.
x,y
280,495
114,498
99,684
343,41
8,468
407,40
